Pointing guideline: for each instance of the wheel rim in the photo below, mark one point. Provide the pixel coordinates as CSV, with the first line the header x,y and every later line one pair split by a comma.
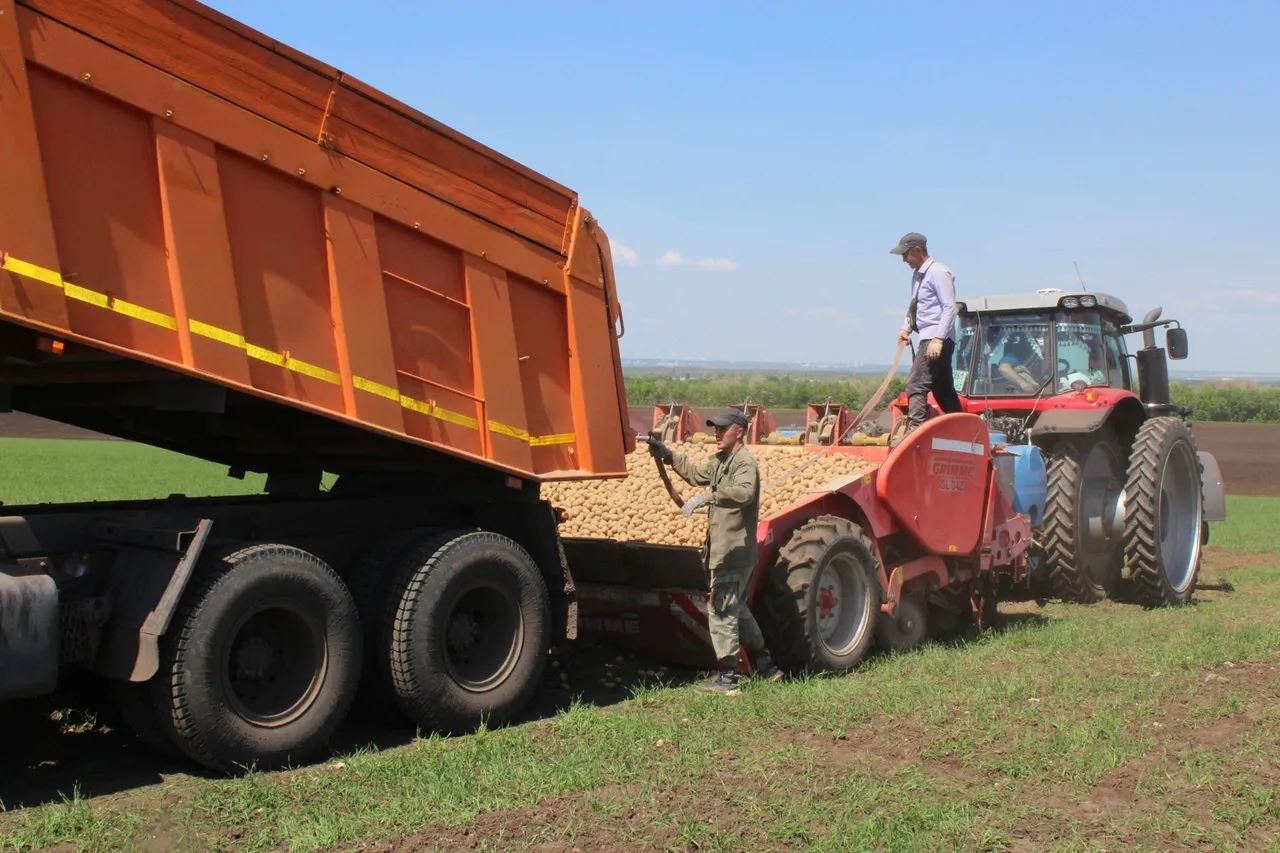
x,y
1180,516
1100,514
842,604
482,636
274,665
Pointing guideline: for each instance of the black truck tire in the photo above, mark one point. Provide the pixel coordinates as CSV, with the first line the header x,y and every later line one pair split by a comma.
x,y
368,579
261,661
1164,512
825,561
1078,572
468,620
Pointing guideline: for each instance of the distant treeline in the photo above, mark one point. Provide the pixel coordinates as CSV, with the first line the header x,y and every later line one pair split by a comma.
x,y
773,392
1230,402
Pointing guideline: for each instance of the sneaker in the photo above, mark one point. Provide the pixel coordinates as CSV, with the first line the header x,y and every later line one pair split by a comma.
x,y
766,669
725,683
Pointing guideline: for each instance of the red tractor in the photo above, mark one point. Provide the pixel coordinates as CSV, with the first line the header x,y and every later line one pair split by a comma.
x,y
1126,481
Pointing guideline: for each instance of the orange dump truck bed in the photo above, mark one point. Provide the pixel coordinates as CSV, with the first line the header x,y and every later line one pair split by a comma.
x,y
185,201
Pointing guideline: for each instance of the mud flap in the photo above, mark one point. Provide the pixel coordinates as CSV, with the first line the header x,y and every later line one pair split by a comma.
x,y
29,636
1215,496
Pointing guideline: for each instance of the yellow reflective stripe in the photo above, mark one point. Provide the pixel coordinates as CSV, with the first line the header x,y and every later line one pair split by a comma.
x,y
213,333
509,431
146,315
552,440
376,388
224,336
84,294
27,270
314,371
262,354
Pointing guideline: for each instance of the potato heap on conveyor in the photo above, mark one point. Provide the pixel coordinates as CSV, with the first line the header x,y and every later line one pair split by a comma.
x,y
639,508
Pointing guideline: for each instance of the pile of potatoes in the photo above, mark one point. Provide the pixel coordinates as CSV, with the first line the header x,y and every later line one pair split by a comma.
x,y
639,508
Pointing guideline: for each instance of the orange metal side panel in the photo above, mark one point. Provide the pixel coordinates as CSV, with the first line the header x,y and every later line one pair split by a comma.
x,y
595,403
58,48
386,156
360,315
494,339
541,327
278,253
108,220
180,42
25,220
200,267
162,222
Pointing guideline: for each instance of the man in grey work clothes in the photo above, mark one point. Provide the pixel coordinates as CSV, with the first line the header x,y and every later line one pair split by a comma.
x,y
932,313
730,550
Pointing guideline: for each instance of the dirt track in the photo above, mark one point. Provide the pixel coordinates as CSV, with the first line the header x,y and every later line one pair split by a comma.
x,y
1248,453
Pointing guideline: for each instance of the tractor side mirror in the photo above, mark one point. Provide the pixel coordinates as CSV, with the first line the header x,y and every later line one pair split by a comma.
x,y
1175,341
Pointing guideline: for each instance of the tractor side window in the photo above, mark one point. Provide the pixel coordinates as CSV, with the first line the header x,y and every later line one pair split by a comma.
x,y
1080,350
1117,366
966,334
1014,358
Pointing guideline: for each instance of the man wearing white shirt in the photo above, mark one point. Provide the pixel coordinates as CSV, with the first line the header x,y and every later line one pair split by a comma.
x,y
932,313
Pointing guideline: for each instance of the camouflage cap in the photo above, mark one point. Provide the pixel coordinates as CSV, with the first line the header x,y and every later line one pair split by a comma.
x,y
907,243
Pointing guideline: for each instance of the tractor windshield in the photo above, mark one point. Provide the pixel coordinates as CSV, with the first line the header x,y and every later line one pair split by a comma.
x,y
1012,358
1014,355
1080,351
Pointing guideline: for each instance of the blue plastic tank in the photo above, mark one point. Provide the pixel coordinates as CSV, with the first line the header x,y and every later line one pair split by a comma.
x,y
1030,481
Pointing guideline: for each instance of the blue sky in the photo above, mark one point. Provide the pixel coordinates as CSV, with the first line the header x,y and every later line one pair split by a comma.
x,y
786,147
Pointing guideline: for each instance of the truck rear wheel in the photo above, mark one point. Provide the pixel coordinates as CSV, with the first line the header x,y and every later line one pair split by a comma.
x,y
368,580
261,661
1083,518
468,621
834,579
1164,512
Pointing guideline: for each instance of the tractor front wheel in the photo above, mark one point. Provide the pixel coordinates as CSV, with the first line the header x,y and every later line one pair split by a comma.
x,y
1164,512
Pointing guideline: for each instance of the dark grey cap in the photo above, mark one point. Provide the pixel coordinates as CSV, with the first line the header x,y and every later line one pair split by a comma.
x,y
907,243
727,418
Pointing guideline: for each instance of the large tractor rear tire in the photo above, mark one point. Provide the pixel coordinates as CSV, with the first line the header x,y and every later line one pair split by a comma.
x,y
834,578
261,661
1083,547
1164,512
467,622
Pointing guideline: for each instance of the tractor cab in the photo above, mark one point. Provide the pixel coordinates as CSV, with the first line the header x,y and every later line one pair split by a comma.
x,y
1022,354
1041,344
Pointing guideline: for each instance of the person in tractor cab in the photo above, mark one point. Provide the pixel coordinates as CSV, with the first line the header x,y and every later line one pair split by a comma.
x,y
932,313
730,551
1020,363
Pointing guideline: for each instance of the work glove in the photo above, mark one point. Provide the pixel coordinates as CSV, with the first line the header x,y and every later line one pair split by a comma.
x,y
660,451
691,506
904,338
935,349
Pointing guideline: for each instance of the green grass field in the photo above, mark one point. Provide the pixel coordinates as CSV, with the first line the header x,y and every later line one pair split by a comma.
x,y
1072,729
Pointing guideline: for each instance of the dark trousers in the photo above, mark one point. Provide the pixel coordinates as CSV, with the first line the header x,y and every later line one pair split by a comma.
x,y
932,376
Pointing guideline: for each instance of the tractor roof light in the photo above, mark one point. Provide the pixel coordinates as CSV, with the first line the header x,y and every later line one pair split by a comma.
x,y
1070,302
1087,302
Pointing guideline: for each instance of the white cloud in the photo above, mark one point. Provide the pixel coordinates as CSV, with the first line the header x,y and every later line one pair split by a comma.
x,y
628,254
1259,297
675,259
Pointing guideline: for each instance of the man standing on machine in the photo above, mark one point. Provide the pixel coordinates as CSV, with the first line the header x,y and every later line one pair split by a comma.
x,y
932,313
730,551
